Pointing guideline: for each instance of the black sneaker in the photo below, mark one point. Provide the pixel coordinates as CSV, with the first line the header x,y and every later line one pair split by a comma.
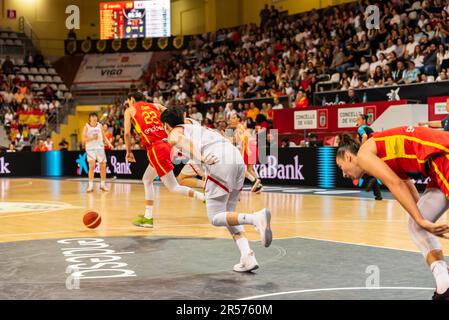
x,y
442,296
378,198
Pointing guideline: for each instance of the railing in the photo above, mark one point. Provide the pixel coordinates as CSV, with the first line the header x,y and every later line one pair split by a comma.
x,y
26,28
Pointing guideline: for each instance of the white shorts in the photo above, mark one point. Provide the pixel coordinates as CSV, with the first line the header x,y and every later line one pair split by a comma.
x,y
228,174
96,155
192,169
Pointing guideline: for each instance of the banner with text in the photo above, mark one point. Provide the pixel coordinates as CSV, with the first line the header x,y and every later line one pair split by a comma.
x,y
111,71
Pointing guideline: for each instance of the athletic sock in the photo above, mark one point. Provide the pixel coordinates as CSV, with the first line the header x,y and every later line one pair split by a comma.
x,y
199,196
251,177
148,212
440,272
91,184
243,245
103,183
246,218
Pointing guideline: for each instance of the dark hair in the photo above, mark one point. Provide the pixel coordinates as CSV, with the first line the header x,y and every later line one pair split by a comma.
x,y
173,116
93,114
347,144
365,117
137,95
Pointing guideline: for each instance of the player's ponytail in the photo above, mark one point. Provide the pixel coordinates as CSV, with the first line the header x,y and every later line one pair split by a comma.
x,y
347,144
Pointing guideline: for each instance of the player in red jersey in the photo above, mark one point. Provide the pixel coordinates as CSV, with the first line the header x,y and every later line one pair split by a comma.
x,y
396,156
146,119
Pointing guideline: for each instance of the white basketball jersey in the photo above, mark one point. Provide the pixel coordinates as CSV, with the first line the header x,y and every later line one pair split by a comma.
x,y
91,131
192,122
202,137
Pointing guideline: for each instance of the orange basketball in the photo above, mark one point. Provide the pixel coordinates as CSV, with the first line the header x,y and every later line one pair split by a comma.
x,y
92,219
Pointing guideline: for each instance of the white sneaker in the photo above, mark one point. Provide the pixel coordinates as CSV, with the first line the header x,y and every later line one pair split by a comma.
x,y
104,189
247,263
90,189
263,226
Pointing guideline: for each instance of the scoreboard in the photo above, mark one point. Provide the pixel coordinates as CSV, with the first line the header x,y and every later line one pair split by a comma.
x,y
134,19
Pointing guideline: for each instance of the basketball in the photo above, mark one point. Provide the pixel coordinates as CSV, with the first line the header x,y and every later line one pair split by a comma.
x,y
91,219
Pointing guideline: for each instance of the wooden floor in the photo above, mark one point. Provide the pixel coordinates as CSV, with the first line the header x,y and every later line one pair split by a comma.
x,y
341,219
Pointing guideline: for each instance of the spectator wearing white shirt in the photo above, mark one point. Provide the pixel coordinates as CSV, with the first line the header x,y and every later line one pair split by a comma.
x,y
410,47
48,143
196,115
43,106
276,104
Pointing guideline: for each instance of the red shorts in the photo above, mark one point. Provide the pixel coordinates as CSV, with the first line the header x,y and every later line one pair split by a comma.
x,y
159,154
439,173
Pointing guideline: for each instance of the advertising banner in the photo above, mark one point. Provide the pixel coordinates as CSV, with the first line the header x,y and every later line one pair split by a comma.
x,y
110,71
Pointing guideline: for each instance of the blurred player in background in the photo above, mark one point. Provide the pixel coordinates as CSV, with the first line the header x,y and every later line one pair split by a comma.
x,y
225,171
444,124
395,157
365,132
146,119
248,147
95,141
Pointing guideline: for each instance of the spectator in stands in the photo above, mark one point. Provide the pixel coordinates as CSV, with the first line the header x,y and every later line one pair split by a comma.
x,y
253,111
39,60
8,119
286,143
442,76
398,74
352,97
11,148
48,143
40,147
48,92
63,145
196,115
411,74
430,60
276,104
301,100
8,66
442,60
29,59
264,16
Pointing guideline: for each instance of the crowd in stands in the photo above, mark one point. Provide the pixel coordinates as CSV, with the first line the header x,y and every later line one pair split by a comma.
x,y
24,111
289,56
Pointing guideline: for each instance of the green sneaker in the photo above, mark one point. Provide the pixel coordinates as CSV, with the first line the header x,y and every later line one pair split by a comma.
x,y
143,222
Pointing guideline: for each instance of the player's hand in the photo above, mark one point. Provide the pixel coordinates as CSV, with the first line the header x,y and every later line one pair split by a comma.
x,y
421,124
438,229
130,157
210,160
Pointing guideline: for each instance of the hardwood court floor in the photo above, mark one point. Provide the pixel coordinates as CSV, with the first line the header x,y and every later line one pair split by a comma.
x,y
32,209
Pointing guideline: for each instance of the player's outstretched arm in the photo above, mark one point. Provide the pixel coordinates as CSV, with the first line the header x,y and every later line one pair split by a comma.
x,y
176,138
372,164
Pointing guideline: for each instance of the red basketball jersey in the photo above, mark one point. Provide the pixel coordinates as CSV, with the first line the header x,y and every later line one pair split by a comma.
x,y
407,150
147,122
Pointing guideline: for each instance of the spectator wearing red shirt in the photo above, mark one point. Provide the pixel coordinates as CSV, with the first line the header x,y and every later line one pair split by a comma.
x,y
301,101
40,147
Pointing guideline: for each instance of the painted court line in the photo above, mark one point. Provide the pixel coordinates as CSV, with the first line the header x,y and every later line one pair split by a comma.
x,y
335,289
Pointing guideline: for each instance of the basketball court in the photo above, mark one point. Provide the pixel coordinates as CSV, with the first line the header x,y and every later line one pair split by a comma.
x,y
327,245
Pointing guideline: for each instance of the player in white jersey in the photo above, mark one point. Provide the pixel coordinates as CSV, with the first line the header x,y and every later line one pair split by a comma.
x,y
191,170
94,139
225,171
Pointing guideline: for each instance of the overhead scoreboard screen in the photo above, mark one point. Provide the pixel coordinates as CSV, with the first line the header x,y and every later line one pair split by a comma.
x,y
134,19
